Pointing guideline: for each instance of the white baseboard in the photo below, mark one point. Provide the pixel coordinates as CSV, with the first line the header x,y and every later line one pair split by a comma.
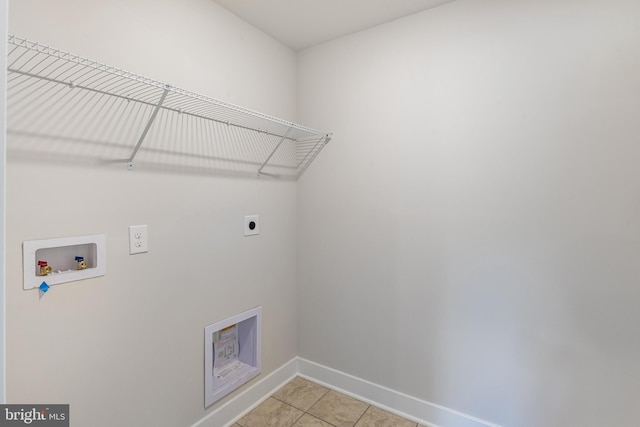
x,y
232,410
423,412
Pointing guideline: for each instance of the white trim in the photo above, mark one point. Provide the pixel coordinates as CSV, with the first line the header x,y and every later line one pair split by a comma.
x,y
3,192
426,413
232,410
420,411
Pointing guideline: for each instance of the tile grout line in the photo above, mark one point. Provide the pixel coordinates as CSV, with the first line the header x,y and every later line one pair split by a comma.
x,y
320,419
365,411
300,409
306,412
298,419
315,402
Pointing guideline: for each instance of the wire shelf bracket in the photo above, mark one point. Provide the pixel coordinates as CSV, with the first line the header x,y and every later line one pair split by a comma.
x,y
130,164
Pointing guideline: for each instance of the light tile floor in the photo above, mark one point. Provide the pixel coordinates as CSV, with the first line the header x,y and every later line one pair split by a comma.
x,y
302,403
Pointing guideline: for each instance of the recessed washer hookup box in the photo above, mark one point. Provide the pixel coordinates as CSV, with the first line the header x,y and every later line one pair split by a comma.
x,y
62,260
232,353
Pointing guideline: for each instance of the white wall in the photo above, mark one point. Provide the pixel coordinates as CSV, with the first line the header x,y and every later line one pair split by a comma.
x,y
470,237
127,349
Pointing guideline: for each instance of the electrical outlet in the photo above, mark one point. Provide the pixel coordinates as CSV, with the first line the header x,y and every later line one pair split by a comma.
x,y
138,239
251,225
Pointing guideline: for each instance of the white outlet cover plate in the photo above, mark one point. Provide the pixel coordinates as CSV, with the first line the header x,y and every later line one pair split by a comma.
x,y
248,220
138,239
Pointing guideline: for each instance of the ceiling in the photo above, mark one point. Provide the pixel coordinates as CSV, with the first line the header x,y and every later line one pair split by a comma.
x,y
303,23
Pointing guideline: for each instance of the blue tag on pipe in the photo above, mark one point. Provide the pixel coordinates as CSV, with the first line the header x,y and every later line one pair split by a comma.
x,y
44,287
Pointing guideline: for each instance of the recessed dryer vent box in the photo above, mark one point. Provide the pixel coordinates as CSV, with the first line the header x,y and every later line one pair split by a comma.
x,y
232,353
62,260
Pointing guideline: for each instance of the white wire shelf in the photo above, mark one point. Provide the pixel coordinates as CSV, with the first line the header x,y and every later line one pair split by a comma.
x,y
77,105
